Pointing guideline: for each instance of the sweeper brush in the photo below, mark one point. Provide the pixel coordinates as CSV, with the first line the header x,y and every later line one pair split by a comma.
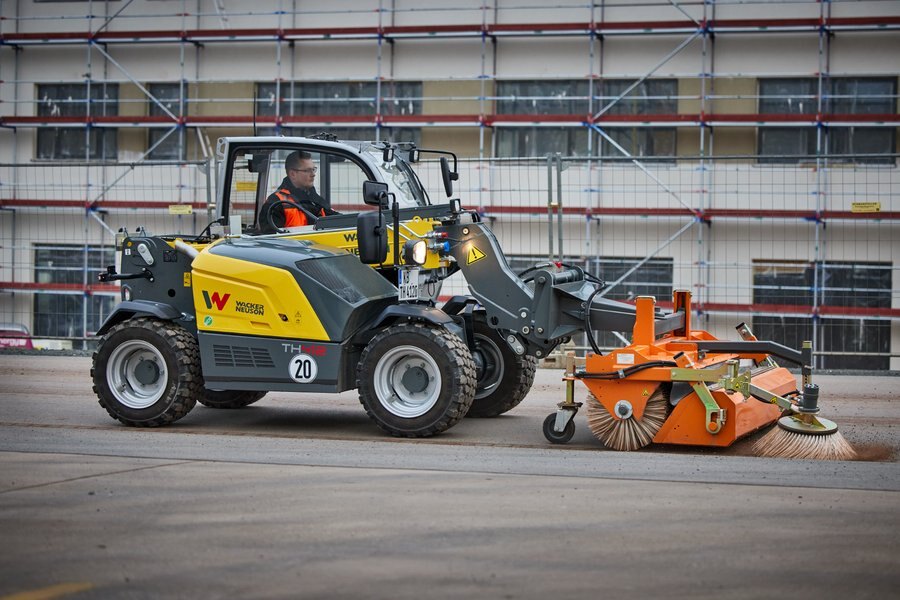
x,y
687,387
623,431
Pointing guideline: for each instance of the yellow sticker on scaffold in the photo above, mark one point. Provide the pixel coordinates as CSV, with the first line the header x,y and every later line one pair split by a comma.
x,y
181,209
865,207
245,186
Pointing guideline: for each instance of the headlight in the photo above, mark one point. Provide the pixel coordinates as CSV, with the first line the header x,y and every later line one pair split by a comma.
x,y
414,252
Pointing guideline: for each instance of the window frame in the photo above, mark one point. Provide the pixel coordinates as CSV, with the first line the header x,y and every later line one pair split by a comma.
x,y
835,334
73,304
63,143
840,141
168,150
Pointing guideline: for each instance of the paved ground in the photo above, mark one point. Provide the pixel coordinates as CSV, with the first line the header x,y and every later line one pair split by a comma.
x,y
301,496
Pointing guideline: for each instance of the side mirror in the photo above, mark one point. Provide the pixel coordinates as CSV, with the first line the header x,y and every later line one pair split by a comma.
x,y
371,237
375,193
448,176
257,163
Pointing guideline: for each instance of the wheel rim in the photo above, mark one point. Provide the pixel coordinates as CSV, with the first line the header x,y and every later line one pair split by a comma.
x,y
407,381
137,374
488,365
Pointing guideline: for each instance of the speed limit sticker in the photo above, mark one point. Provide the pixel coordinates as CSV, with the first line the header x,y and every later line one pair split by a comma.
x,y
303,368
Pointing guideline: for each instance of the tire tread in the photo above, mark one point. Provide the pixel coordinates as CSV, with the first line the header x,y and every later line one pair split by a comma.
x,y
190,377
460,358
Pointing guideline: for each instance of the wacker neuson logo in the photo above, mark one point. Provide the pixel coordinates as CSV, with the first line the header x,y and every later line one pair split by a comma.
x,y
219,301
249,307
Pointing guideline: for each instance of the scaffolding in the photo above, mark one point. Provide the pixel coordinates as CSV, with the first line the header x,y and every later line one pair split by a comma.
x,y
385,26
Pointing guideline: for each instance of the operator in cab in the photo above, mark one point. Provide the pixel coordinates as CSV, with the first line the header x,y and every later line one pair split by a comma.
x,y
298,187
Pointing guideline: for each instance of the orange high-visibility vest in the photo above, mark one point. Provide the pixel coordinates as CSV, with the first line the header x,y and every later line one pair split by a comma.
x,y
292,216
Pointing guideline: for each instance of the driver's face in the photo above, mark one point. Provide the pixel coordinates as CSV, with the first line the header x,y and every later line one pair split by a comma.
x,y
304,176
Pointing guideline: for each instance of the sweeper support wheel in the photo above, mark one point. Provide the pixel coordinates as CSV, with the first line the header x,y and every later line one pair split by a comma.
x,y
558,437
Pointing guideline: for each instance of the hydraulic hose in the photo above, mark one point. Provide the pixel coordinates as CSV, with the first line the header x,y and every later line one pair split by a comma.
x,y
623,373
588,331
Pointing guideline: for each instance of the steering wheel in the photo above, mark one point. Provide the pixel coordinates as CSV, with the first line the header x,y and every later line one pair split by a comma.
x,y
267,217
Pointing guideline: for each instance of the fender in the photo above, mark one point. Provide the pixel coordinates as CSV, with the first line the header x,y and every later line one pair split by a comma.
x,y
414,312
130,309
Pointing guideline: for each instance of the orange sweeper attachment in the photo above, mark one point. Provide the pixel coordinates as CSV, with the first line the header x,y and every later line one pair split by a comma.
x,y
687,387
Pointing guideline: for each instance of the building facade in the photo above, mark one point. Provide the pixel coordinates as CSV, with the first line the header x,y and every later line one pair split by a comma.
x,y
744,150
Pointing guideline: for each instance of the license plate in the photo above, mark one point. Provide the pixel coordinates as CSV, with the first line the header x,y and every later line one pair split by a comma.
x,y
409,284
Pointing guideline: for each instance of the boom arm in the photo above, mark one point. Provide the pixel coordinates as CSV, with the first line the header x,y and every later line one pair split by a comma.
x,y
546,315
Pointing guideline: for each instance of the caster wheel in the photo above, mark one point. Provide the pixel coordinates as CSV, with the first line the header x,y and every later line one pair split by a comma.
x,y
555,436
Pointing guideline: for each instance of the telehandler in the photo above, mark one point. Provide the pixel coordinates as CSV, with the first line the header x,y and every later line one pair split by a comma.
x,y
227,316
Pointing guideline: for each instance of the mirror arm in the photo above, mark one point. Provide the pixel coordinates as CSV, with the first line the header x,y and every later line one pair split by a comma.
x,y
395,213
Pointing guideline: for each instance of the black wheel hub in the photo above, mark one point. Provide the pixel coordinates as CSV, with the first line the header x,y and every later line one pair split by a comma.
x,y
415,380
479,364
146,372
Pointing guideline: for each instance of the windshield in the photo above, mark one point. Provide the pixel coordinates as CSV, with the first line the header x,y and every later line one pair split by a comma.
x,y
400,177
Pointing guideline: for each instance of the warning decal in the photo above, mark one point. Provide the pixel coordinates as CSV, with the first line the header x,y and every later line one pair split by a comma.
x,y
865,207
474,255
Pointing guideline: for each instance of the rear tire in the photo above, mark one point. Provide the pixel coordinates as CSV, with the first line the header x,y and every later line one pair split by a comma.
x,y
228,399
147,373
416,380
504,377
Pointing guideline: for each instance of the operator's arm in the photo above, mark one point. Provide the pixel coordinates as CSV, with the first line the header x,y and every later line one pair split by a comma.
x,y
321,204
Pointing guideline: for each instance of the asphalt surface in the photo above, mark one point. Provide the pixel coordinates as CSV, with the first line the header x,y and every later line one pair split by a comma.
x,y
301,496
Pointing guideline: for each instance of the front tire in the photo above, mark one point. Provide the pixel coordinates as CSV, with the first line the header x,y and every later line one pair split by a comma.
x,y
147,373
504,377
228,399
416,380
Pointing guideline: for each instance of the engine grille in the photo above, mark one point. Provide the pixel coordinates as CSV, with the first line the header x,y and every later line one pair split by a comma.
x,y
242,356
328,273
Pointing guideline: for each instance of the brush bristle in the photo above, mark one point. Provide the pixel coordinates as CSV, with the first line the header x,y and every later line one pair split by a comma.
x,y
780,443
630,433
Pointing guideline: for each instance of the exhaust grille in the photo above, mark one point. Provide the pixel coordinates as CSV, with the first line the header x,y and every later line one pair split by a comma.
x,y
242,356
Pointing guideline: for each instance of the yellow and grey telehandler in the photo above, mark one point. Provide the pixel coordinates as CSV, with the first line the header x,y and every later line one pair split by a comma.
x,y
224,317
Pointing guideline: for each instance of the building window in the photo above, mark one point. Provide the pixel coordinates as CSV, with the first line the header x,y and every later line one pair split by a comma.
x,y
540,141
339,98
843,340
558,97
173,146
639,141
570,97
842,96
862,96
651,97
553,97
653,278
71,100
68,312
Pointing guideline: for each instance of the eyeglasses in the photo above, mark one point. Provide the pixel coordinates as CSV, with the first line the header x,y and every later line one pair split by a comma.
x,y
311,170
